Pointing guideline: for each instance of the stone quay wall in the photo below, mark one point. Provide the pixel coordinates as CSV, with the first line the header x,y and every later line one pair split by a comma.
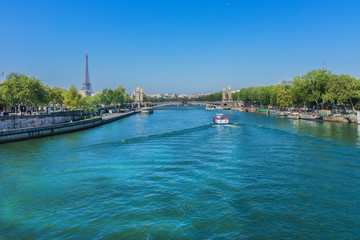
x,y
54,129
29,133
31,121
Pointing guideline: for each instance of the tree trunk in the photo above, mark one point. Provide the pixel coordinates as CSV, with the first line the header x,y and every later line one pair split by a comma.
x,y
317,104
352,105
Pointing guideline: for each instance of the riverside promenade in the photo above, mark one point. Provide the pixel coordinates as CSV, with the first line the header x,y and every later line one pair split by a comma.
x,y
55,129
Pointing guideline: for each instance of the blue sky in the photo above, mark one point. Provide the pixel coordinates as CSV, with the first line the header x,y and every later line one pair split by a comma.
x,y
178,46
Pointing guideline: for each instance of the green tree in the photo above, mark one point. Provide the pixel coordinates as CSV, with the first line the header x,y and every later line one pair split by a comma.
x,y
2,98
264,95
301,91
120,96
342,89
19,89
107,96
94,100
254,94
73,100
244,94
57,95
283,98
210,97
318,80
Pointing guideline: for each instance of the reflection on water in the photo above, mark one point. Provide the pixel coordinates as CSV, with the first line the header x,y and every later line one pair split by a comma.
x,y
341,132
174,175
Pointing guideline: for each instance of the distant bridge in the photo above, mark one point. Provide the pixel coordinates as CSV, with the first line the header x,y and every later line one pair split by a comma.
x,y
191,103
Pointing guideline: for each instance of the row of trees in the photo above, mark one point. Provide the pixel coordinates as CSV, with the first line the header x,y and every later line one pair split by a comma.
x,y
108,96
317,88
19,90
210,97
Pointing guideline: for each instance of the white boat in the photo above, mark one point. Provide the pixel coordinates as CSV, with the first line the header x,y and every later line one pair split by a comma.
x,y
220,119
276,113
147,110
294,116
311,117
210,108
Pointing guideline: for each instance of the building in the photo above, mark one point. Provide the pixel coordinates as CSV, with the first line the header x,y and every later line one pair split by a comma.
x,y
286,82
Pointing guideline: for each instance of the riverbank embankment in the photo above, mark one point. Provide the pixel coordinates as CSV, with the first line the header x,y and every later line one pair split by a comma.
x,y
55,129
341,118
30,121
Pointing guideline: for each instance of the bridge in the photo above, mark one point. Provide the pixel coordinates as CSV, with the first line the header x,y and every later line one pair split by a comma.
x,y
231,104
227,101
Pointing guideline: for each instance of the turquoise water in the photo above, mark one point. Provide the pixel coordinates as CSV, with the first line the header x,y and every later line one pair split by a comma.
x,y
172,175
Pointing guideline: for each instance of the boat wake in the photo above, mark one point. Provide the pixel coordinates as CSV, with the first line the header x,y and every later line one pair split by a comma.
x,y
167,134
232,124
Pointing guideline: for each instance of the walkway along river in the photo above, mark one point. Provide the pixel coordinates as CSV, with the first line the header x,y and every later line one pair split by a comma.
x,y
174,175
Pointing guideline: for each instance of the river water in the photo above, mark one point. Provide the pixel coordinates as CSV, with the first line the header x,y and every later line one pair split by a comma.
x,y
173,175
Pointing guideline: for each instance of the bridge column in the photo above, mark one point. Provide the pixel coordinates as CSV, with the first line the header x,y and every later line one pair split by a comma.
x,y
229,94
224,95
137,96
141,97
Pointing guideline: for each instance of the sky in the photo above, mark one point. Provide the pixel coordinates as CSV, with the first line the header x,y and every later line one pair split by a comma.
x,y
178,46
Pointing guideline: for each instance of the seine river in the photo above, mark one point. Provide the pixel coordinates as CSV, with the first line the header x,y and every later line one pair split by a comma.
x,y
173,175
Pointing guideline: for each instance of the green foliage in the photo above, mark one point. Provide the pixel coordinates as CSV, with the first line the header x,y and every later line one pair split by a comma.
x,y
73,100
318,79
57,95
2,95
342,89
120,97
116,96
94,100
264,95
210,97
283,98
301,91
315,88
107,96
20,89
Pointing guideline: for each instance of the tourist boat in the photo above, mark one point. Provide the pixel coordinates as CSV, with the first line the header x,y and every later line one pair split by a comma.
x,y
147,110
276,113
220,119
294,116
263,111
311,117
210,108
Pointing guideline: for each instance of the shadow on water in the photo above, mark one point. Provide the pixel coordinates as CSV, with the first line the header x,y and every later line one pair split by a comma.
x,y
156,136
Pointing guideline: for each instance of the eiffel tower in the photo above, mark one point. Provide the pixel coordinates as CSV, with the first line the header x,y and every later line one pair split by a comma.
x,y
86,86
